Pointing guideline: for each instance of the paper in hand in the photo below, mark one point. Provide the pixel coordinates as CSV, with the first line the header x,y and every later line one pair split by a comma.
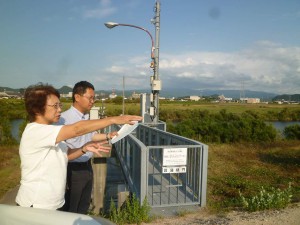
x,y
124,131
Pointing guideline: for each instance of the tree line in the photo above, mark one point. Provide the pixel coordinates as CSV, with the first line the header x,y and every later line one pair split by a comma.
x,y
200,125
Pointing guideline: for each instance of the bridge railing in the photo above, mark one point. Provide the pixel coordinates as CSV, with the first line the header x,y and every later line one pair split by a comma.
x,y
167,169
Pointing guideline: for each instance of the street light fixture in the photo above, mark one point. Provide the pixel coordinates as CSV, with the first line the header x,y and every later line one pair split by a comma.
x,y
155,82
111,25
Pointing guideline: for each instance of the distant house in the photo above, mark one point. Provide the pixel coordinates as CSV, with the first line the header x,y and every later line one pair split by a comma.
x,y
113,94
253,100
135,95
222,98
9,94
250,100
4,95
194,98
69,95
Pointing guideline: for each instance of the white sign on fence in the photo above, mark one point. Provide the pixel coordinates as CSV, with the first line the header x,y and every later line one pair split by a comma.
x,y
174,156
174,169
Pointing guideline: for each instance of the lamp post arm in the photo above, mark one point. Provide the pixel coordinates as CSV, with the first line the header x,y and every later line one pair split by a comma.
x,y
141,28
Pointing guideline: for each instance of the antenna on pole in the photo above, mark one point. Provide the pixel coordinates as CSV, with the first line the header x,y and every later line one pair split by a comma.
x,y
156,83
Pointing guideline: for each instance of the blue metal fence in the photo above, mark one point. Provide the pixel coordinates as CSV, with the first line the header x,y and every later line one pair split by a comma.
x,y
142,154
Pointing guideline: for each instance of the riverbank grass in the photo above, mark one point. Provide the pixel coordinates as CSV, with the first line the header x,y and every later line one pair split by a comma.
x,y
246,168
232,169
9,168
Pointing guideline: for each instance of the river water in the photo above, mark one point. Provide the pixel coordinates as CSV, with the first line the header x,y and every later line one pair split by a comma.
x,y
279,125
15,125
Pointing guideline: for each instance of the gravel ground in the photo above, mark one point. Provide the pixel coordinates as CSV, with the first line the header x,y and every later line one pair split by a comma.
x,y
288,216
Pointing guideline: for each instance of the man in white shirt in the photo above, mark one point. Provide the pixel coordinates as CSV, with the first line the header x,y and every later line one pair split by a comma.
x,y
80,173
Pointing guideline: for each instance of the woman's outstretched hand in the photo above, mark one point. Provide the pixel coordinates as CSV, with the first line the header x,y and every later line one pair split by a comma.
x,y
126,119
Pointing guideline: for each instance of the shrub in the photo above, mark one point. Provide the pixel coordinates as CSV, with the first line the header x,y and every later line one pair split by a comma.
x,y
292,132
224,127
131,212
273,199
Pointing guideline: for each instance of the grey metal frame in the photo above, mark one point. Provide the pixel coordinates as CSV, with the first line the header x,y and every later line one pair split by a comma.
x,y
140,155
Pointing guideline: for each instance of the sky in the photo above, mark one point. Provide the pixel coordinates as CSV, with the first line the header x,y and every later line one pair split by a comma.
x,y
203,44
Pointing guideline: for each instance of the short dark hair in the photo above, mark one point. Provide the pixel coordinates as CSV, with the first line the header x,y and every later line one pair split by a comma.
x,y
36,98
80,88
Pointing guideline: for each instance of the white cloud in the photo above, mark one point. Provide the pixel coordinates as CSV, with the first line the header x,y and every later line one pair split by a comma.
x,y
103,10
116,69
265,66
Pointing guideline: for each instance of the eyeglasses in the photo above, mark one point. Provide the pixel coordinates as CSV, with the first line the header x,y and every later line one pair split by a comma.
x,y
91,99
56,105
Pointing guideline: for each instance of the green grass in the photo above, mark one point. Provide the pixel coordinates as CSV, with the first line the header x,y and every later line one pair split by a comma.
x,y
230,107
248,168
176,111
9,169
231,168
164,105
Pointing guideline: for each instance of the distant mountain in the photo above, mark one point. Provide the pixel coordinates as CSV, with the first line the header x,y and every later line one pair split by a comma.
x,y
65,90
295,98
2,89
168,93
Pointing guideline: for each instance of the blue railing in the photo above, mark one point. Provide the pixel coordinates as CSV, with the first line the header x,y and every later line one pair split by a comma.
x,y
142,155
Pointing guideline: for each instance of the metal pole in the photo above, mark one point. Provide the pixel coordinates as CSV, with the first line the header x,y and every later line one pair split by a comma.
x,y
156,61
155,83
123,111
